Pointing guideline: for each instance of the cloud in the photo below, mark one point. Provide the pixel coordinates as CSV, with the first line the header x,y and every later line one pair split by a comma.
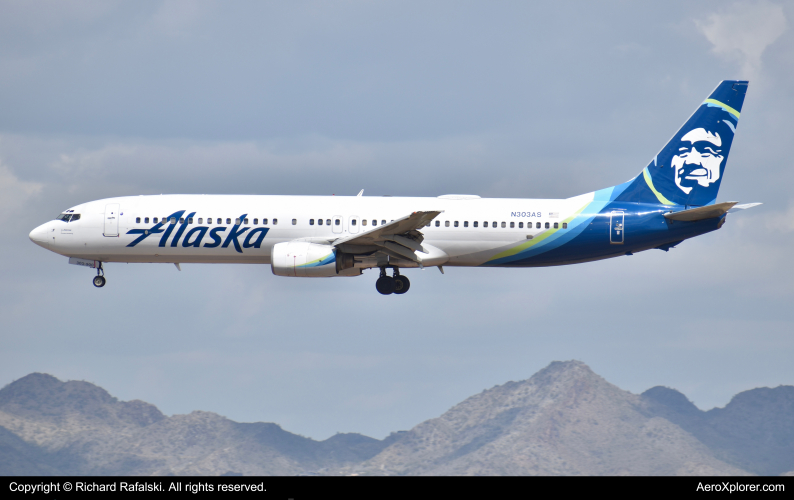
x,y
13,191
178,18
743,31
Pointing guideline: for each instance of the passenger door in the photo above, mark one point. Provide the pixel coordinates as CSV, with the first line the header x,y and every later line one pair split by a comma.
x,y
111,219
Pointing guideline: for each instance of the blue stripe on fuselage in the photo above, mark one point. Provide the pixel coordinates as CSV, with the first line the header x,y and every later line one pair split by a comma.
x,y
589,239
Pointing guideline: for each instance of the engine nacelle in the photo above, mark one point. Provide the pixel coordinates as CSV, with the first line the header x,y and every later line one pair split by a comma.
x,y
304,259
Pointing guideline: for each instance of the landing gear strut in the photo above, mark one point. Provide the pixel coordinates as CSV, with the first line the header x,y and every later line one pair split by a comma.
x,y
99,279
387,285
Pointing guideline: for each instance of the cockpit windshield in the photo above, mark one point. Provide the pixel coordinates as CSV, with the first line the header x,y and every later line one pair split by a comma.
x,y
68,217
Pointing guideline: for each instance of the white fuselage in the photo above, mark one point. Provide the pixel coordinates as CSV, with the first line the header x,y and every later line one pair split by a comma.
x,y
468,230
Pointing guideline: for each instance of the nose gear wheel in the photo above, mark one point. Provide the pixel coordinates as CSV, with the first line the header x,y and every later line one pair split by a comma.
x,y
99,279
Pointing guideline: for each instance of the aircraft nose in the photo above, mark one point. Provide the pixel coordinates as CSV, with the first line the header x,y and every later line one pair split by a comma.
x,y
39,235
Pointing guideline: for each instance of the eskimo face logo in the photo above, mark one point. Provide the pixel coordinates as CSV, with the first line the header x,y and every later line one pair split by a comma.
x,y
698,160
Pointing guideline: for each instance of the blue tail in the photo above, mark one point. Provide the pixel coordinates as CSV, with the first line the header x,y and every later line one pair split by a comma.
x,y
689,169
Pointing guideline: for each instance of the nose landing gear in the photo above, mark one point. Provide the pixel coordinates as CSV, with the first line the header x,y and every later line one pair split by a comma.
x,y
387,285
99,279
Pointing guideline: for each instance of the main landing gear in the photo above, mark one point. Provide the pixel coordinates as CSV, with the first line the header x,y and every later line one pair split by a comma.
x,y
99,279
387,285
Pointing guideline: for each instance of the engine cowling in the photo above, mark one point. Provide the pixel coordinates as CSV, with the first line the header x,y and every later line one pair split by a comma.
x,y
304,259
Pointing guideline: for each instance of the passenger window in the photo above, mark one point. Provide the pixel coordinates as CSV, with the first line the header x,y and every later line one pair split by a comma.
x,y
146,220
547,225
154,220
275,222
237,221
353,222
137,220
173,220
363,222
190,220
485,224
228,221
494,224
456,223
475,223
438,224
382,222
256,221
537,225
465,223
337,222
319,222
446,223
245,221
327,222
294,221
264,222
181,220
311,222
374,222
565,225
520,225
512,225
201,220
556,225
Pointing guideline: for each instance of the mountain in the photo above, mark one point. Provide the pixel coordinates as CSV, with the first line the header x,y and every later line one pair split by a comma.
x,y
755,431
53,427
565,419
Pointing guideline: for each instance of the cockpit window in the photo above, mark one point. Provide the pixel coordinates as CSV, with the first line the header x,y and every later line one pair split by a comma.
x,y
68,217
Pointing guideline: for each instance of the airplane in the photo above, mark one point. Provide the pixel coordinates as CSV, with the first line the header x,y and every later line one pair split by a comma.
x,y
672,199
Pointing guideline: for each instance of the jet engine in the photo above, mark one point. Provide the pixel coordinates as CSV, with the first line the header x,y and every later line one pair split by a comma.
x,y
304,259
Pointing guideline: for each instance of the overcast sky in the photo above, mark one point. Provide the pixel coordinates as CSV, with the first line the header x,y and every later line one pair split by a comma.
x,y
500,99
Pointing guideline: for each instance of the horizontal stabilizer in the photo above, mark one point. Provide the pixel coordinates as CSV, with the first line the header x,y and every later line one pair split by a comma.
x,y
743,207
701,213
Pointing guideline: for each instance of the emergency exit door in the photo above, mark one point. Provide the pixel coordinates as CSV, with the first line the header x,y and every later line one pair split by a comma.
x,y
337,224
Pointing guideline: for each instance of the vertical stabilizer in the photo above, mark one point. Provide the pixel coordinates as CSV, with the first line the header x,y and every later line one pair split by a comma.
x,y
689,169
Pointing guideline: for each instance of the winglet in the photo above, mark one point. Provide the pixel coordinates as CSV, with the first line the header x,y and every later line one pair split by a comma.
x,y
360,193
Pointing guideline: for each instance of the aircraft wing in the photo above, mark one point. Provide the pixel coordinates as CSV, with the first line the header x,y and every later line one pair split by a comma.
x,y
399,238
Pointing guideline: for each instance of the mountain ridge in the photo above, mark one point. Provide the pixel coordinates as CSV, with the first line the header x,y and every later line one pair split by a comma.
x,y
565,419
